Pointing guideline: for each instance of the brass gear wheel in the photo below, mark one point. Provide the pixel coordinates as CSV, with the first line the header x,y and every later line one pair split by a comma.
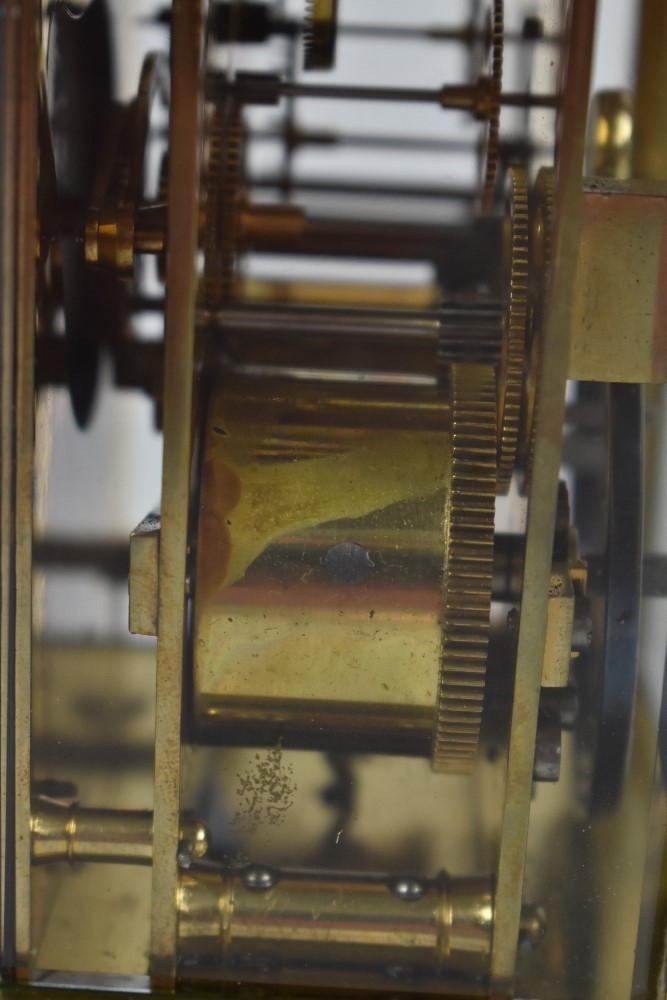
x,y
492,145
319,37
510,376
541,230
541,236
468,567
223,202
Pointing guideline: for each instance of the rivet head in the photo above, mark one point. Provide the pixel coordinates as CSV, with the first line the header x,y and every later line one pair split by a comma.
x,y
408,888
258,878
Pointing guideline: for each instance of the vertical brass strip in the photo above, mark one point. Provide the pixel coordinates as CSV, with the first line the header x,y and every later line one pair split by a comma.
x,y
186,55
550,408
19,210
7,285
25,436
650,162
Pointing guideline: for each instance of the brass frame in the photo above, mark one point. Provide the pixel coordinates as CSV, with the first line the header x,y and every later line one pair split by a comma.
x,y
541,519
19,209
183,218
16,474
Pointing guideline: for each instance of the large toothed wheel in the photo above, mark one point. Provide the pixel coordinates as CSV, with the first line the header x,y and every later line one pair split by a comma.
x,y
468,567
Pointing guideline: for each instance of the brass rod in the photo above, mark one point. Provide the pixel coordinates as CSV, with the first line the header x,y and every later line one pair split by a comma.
x,y
462,98
60,832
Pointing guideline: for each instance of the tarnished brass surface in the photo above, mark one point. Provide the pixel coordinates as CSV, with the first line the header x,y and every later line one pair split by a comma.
x,y
93,728
144,576
96,926
73,712
620,322
442,927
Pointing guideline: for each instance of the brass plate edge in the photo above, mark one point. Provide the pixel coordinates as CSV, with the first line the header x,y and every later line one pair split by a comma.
x,y
550,408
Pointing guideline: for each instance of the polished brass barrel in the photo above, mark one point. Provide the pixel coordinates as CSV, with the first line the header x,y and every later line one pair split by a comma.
x,y
319,573
407,928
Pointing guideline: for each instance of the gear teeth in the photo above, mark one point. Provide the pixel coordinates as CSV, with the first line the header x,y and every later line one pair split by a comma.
x,y
512,358
468,569
541,269
493,119
545,189
308,27
319,34
232,204
223,200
